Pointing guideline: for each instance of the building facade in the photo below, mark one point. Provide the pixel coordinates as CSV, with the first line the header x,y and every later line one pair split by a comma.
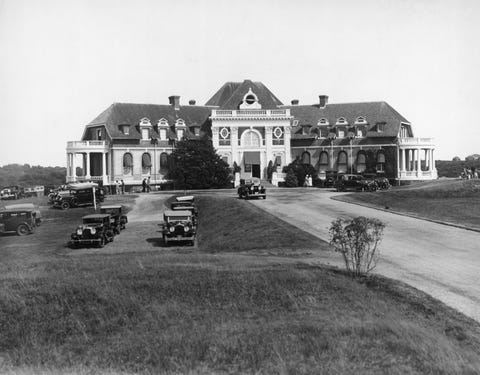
x,y
251,129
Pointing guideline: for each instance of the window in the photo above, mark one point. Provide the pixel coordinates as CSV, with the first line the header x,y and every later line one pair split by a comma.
x,y
180,134
127,164
146,163
405,131
306,157
323,121
278,136
164,161
224,137
99,134
323,161
251,139
145,134
163,134
342,162
196,131
341,133
360,132
250,99
360,120
125,129
380,127
341,121
380,161
278,161
361,162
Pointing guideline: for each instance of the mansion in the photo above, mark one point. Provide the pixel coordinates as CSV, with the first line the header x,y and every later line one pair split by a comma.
x,y
251,129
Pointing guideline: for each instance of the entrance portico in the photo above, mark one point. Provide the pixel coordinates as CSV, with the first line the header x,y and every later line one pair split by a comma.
x,y
415,159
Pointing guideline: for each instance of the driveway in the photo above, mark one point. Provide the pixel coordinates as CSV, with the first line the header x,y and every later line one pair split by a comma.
x,y
441,260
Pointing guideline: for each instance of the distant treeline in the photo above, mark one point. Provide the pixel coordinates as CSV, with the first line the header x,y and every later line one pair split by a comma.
x,y
453,168
26,175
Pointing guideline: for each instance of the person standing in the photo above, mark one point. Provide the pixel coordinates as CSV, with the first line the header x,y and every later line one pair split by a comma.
x,y
117,187
123,186
144,185
148,184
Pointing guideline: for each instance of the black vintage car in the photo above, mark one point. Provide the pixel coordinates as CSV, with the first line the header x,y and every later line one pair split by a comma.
x,y
11,192
178,226
21,220
251,189
382,181
79,195
118,220
356,183
95,230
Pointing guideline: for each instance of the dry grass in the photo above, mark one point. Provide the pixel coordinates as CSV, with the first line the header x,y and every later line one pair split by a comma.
x,y
215,311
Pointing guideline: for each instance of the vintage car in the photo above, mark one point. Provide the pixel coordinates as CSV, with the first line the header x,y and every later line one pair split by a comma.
x,y
80,194
356,183
178,226
252,189
27,206
185,198
11,192
117,219
22,221
96,229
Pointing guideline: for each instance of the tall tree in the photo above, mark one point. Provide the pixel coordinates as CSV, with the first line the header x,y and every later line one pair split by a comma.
x,y
196,165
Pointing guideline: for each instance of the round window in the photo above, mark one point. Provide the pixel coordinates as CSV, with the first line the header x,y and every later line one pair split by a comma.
x,y
278,132
250,99
224,133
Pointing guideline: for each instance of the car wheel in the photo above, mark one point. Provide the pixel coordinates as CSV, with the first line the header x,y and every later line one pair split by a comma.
x,y
74,202
65,205
23,230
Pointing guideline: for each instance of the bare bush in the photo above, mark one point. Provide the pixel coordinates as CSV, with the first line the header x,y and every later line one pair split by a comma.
x,y
357,240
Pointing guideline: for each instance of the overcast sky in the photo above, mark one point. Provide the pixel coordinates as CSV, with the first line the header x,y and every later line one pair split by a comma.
x,y
63,62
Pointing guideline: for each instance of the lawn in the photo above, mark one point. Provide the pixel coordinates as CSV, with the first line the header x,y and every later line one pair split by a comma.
x,y
225,306
455,201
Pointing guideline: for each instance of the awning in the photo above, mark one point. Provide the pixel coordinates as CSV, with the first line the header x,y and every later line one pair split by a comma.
x,y
251,157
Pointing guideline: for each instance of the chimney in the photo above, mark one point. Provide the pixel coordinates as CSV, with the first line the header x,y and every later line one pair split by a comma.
x,y
294,102
174,101
323,100
191,102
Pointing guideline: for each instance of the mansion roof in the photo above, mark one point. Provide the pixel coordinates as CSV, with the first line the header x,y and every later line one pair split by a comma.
x,y
231,95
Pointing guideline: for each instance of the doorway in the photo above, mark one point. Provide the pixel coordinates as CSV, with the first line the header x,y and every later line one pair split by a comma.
x,y
256,170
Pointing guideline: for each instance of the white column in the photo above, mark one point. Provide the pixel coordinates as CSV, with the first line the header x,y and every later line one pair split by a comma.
x,y
268,144
104,168
74,167
234,144
288,155
419,163
403,160
398,162
87,166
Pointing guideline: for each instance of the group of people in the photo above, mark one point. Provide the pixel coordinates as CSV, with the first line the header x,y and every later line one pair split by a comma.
x,y
120,187
469,173
146,185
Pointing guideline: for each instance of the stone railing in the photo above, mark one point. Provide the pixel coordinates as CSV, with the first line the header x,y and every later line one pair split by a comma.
x,y
412,141
96,145
249,113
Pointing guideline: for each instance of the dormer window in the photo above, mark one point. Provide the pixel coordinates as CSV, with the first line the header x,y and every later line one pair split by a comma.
x,y
99,134
125,129
360,132
250,101
180,128
162,129
341,121
360,120
145,127
405,131
323,121
380,127
341,133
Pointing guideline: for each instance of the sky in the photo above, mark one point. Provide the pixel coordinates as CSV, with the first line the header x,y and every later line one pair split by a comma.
x,y
63,62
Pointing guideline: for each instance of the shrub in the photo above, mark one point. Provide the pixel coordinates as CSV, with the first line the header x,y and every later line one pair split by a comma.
x,y
300,170
357,240
291,179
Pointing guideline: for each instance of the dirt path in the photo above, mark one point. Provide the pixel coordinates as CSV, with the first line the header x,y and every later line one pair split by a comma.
x,y
441,260
148,207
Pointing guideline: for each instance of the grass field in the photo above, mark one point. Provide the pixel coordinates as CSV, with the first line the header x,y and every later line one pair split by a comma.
x,y
225,306
455,201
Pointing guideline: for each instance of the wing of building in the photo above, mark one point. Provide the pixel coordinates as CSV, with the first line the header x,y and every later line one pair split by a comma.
x,y
251,129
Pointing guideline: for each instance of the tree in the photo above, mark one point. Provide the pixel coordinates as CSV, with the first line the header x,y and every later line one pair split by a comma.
x,y
270,170
300,170
357,240
291,179
456,158
196,165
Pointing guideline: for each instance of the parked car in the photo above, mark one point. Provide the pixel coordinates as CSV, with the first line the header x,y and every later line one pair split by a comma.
x,y
331,179
178,226
11,192
27,206
79,195
95,230
21,220
356,183
252,189
185,198
118,220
